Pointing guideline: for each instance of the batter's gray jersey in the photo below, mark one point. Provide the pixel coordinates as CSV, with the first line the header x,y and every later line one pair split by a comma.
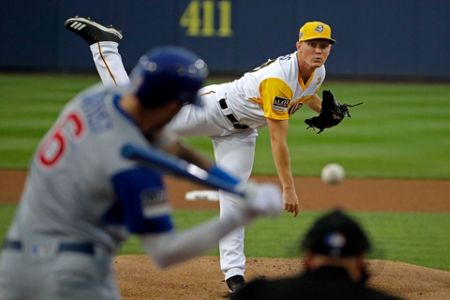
x,y
81,195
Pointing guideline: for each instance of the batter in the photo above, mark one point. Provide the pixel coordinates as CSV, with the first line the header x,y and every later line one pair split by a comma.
x,y
82,199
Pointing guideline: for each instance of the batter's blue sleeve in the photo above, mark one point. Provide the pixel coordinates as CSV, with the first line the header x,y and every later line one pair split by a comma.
x,y
142,199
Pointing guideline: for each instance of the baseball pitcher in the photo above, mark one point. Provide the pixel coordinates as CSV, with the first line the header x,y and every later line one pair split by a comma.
x,y
265,96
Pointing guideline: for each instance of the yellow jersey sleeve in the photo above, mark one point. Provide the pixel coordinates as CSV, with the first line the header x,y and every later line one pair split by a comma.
x,y
276,96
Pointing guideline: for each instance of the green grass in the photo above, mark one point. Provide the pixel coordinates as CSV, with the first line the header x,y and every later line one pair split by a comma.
x,y
28,107
420,239
401,131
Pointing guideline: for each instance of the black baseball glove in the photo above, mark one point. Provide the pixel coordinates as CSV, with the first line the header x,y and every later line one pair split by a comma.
x,y
331,114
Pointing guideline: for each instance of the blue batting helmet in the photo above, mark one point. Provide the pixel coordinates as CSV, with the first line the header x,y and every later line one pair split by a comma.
x,y
168,73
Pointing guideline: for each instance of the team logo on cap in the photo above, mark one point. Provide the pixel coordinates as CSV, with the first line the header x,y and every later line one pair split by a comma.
x,y
335,240
319,28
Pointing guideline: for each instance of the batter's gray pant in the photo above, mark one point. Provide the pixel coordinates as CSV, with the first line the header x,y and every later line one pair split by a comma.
x,y
59,275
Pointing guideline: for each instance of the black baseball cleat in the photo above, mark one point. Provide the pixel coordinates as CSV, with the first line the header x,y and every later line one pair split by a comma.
x,y
235,283
91,31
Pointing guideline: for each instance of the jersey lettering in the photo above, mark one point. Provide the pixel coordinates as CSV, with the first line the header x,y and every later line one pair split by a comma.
x,y
285,57
53,148
96,114
267,63
270,61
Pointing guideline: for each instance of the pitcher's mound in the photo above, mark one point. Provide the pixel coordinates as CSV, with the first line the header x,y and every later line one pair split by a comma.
x,y
201,278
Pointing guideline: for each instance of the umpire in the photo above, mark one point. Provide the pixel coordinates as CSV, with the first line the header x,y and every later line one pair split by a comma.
x,y
334,263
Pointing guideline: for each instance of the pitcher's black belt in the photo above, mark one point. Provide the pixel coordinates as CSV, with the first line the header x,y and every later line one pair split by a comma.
x,y
230,116
85,248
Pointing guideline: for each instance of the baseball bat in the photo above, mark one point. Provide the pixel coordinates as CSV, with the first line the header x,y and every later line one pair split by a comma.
x,y
154,158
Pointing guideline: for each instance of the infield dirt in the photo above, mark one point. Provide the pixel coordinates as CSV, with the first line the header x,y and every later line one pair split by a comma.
x,y
201,278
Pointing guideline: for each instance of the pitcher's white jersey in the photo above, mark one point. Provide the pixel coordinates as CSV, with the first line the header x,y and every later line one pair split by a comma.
x,y
273,90
80,188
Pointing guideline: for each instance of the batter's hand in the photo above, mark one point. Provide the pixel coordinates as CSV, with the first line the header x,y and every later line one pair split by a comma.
x,y
262,199
290,201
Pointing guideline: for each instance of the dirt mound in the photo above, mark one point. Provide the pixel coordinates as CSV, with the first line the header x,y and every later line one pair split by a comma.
x,y
201,278
352,194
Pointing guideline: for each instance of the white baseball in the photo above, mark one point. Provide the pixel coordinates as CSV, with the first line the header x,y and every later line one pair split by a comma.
x,y
332,173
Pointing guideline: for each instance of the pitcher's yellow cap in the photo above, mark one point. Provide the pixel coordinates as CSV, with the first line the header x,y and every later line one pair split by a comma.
x,y
315,30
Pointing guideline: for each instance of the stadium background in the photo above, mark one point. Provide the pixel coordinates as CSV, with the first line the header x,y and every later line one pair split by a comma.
x,y
376,39
393,55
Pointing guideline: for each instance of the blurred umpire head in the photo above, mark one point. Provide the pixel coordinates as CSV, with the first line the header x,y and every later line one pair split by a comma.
x,y
337,240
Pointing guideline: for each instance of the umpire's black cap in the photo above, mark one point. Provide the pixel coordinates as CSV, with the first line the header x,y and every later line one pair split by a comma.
x,y
336,235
